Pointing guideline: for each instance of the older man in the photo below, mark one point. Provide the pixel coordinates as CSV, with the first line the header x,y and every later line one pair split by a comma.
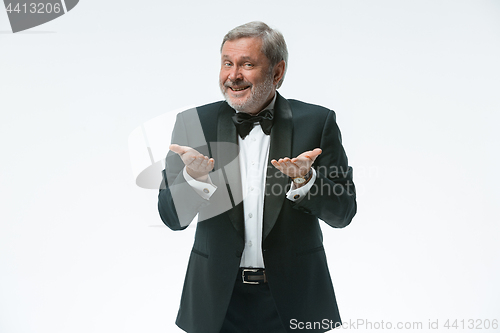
x,y
259,170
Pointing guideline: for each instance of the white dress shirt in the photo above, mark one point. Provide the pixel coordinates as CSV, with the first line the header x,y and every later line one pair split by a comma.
x,y
253,157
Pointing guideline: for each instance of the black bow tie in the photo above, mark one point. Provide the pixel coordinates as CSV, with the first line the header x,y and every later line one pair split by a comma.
x,y
244,122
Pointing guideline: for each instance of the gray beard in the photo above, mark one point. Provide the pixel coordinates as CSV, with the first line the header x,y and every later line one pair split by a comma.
x,y
257,98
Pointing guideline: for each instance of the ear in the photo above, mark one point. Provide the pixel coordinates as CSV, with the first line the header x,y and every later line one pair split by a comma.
x,y
278,71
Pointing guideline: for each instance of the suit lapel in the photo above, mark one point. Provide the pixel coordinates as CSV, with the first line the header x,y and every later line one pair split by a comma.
x,y
227,161
281,146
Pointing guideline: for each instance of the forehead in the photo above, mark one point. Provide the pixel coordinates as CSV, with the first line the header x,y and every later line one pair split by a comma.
x,y
248,47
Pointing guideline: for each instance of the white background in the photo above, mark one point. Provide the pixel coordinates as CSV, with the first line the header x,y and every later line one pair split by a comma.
x,y
415,85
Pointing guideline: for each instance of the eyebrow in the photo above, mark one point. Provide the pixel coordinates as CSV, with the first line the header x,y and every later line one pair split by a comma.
x,y
242,58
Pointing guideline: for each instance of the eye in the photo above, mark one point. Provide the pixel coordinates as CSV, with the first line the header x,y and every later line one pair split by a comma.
x,y
226,64
248,65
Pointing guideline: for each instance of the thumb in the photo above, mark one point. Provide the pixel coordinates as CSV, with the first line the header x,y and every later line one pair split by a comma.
x,y
316,152
313,154
177,149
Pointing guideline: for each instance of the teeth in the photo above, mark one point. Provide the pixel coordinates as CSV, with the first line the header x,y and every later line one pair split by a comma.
x,y
235,89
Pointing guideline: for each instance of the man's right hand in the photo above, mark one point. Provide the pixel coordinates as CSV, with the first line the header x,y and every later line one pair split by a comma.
x,y
197,165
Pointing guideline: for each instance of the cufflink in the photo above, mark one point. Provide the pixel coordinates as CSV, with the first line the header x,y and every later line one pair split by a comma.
x,y
206,190
296,196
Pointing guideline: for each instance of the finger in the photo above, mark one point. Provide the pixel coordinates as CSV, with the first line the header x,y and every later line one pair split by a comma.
x,y
204,162
209,167
201,161
211,163
311,155
314,153
188,160
195,163
277,165
180,150
202,165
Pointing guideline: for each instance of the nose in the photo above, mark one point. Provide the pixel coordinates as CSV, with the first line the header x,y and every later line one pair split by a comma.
x,y
234,74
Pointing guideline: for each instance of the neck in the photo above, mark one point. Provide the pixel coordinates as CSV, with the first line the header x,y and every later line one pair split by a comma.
x,y
264,105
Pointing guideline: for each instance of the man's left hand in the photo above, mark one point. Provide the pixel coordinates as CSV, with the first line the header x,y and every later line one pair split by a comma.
x,y
298,166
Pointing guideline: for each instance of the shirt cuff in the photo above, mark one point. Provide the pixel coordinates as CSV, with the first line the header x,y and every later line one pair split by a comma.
x,y
205,190
297,194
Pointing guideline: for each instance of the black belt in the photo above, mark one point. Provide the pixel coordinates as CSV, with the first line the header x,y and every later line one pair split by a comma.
x,y
253,275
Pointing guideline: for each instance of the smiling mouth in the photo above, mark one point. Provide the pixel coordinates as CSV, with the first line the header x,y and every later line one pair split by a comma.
x,y
238,89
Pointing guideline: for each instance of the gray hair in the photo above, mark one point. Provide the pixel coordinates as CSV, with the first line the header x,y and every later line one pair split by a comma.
x,y
273,42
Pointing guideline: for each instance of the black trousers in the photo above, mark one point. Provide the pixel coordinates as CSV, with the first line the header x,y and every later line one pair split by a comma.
x,y
252,310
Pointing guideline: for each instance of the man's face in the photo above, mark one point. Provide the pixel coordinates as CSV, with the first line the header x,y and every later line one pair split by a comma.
x,y
246,79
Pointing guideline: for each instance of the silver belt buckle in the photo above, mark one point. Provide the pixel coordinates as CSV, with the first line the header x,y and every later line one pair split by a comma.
x,y
248,270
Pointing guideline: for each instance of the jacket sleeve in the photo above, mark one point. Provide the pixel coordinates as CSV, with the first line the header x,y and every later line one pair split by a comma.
x,y
332,198
178,203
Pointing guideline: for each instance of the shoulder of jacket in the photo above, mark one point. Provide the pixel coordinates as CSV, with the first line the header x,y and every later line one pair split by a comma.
x,y
210,107
203,109
303,105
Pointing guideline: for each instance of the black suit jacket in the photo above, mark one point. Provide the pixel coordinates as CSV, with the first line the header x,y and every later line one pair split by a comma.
x,y
292,247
